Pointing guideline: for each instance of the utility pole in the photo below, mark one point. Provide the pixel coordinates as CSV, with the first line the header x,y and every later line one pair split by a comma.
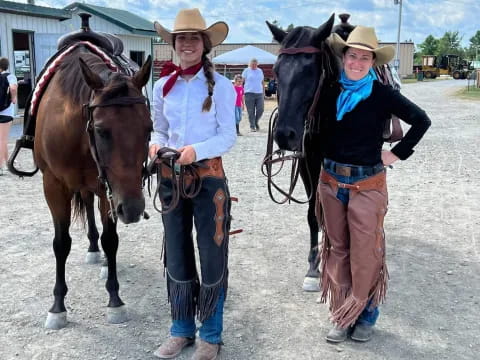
x,y
397,55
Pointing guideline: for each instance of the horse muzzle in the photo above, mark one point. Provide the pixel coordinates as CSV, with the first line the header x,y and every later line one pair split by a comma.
x,y
130,210
287,138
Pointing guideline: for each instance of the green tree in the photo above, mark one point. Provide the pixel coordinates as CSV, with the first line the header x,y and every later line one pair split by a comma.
x,y
449,43
473,51
429,46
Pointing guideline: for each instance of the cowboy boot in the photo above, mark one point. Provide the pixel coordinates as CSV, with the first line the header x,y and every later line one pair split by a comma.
x,y
173,347
206,351
338,334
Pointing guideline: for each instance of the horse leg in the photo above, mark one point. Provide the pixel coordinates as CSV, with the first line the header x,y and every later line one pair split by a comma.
x,y
93,255
58,198
311,282
309,171
116,310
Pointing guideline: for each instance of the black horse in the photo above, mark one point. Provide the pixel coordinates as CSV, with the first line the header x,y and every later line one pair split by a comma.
x,y
305,67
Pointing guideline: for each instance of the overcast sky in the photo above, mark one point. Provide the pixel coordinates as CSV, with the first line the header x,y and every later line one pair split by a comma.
x,y
246,18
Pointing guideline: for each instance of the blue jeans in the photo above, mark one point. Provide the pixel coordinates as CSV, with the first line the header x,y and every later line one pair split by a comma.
x,y
211,329
238,114
369,315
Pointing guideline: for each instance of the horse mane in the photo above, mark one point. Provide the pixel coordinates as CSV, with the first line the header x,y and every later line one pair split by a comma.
x,y
73,84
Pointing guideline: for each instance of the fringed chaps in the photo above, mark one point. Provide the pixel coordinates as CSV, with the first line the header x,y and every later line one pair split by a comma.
x,y
353,251
210,209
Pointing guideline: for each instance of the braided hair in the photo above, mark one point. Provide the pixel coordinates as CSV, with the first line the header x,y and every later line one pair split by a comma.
x,y
208,70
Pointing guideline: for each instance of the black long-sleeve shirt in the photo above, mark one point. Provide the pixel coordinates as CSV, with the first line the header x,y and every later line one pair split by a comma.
x,y
358,138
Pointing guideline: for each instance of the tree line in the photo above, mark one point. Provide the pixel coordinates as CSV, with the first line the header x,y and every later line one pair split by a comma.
x,y
449,43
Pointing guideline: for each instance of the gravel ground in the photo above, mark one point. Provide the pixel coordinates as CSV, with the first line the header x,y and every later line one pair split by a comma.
x,y
432,228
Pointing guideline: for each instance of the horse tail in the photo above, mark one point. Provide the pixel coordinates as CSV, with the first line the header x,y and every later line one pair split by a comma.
x,y
79,209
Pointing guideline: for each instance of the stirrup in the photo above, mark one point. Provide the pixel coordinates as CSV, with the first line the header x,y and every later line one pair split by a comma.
x,y
26,141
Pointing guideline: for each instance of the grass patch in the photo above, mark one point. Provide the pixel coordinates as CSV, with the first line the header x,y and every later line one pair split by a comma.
x,y
473,93
414,80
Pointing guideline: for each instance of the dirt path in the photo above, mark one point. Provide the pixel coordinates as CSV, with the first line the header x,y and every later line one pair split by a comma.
x,y
433,232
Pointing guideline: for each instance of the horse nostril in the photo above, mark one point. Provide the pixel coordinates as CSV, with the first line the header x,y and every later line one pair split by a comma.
x,y
286,139
120,210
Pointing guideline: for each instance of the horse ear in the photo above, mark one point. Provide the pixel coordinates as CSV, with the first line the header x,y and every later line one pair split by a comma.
x,y
142,76
324,30
93,80
278,34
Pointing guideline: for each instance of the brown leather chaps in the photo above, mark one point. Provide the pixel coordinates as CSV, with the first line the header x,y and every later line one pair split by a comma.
x,y
353,252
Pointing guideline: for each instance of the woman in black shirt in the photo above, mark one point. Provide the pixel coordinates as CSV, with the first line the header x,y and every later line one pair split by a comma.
x,y
352,188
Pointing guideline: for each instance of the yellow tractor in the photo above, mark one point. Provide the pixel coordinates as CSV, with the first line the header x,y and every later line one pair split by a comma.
x,y
452,65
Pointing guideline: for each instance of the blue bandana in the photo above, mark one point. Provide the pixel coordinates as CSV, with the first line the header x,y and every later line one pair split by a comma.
x,y
353,92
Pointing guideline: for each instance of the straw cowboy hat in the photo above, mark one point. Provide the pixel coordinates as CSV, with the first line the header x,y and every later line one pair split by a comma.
x,y
363,38
190,20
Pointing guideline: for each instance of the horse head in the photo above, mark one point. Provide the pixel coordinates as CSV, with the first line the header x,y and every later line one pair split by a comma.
x,y
119,131
304,55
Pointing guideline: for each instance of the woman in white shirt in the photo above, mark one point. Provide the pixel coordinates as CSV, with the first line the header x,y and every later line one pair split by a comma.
x,y
6,115
194,114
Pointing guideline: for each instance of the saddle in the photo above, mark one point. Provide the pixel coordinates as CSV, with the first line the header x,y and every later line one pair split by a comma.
x,y
108,45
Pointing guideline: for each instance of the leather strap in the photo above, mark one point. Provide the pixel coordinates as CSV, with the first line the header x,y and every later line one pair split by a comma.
x,y
374,182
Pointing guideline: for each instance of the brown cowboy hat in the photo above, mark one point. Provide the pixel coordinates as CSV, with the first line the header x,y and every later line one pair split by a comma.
x,y
363,38
190,20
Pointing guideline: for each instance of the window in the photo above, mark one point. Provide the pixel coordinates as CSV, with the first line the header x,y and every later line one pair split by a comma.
x,y
138,57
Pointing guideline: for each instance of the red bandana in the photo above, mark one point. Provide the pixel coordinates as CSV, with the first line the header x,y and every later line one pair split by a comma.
x,y
170,67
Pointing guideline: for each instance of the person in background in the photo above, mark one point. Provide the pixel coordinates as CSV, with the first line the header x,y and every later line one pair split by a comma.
x,y
7,109
352,189
254,93
194,113
240,102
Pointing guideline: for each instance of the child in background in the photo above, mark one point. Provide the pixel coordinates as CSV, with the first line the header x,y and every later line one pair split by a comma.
x,y
240,102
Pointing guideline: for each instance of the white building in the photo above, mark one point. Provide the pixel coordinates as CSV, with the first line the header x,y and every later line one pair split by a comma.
x,y
29,34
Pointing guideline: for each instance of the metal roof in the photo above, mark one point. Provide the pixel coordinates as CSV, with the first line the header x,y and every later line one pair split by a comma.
x,y
34,10
122,18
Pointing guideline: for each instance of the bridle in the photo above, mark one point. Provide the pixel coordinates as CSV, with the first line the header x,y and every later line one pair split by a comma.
x,y
280,156
87,111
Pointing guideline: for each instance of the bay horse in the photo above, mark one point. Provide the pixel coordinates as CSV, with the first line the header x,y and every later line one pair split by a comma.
x,y
305,65
91,138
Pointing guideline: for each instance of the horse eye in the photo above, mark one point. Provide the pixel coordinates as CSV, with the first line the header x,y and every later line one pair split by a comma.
x,y
103,133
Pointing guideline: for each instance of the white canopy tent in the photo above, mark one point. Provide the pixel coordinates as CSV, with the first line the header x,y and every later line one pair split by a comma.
x,y
243,55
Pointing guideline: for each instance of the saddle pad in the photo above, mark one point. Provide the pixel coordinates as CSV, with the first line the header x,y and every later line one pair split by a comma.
x,y
50,70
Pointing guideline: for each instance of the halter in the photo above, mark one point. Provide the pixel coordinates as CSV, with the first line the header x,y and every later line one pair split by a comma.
x,y
87,110
279,156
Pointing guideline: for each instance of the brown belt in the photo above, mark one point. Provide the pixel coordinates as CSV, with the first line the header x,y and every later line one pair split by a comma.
x,y
375,182
213,167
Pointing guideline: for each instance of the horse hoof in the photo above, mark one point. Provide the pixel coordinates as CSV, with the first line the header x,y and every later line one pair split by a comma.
x,y
93,257
117,315
56,321
311,284
104,272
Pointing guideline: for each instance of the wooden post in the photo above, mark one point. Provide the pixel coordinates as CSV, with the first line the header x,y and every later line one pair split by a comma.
x,y
478,78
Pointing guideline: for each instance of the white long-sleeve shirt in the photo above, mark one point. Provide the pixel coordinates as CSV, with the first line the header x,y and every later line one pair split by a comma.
x,y
179,121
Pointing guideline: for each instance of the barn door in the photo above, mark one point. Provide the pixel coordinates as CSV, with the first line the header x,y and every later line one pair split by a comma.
x,y
45,47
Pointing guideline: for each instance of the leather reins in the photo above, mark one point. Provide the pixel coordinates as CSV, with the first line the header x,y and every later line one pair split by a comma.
x,y
178,178
87,110
279,156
